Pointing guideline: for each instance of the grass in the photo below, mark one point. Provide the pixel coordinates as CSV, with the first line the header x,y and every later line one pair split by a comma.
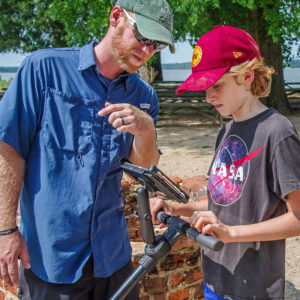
x,y
4,84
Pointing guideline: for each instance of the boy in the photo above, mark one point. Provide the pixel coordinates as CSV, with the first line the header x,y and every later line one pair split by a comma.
x,y
254,180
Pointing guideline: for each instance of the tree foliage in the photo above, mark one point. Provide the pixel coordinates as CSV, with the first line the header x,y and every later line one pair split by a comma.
x,y
28,25
25,26
277,20
274,24
84,20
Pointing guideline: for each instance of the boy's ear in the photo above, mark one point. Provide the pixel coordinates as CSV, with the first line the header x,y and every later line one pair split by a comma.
x,y
249,76
115,15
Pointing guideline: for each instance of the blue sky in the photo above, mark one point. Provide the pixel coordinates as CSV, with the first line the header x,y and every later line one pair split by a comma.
x,y
183,54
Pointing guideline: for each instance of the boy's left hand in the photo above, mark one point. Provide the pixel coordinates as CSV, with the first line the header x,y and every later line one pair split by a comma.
x,y
207,222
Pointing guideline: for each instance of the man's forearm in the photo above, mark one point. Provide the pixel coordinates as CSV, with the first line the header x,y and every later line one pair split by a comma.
x,y
11,178
144,150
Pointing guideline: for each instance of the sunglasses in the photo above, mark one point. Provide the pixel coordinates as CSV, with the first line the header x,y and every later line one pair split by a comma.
x,y
157,46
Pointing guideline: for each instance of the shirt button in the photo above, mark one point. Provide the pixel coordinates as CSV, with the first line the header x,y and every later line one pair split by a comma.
x,y
105,153
106,125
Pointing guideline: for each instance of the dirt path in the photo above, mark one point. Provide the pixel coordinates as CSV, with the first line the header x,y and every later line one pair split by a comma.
x,y
187,145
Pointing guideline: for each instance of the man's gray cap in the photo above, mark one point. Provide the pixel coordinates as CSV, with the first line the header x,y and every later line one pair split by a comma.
x,y
154,19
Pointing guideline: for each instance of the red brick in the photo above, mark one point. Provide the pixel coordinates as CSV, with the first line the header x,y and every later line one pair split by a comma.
x,y
176,279
172,262
133,221
189,183
129,198
155,285
180,295
125,186
159,296
199,292
193,275
132,234
154,271
183,242
194,258
176,180
128,210
129,180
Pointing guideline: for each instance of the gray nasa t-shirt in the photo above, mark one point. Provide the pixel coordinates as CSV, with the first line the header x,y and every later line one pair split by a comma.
x,y
255,167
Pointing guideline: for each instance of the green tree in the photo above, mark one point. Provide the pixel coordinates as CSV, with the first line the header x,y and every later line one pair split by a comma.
x,y
275,25
84,20
25,26
28,25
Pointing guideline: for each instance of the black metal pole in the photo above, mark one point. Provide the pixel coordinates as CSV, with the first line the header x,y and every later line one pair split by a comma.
x,y
129,284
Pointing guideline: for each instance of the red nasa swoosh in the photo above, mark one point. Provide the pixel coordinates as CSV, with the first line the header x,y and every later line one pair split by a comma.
x,y
238,163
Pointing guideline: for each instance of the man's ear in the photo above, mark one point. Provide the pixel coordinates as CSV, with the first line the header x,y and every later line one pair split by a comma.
x,y
115,15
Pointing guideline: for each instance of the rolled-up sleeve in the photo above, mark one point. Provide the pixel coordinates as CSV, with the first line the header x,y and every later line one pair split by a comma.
x,y
20,109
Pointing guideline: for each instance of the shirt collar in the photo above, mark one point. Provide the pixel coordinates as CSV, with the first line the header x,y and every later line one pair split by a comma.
x,y
86,56
87,59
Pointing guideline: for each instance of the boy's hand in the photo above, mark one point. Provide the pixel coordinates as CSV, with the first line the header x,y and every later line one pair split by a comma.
x,y
207,222
157,204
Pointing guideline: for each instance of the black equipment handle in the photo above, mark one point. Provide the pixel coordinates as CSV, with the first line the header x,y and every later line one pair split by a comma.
x,y
185,229
158,247
145,215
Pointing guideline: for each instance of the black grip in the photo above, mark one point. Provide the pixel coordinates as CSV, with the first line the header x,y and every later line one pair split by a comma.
x,y
185,228
206,240
145,215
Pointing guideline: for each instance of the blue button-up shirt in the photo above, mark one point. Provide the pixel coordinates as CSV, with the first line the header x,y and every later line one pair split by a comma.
x,y
71,203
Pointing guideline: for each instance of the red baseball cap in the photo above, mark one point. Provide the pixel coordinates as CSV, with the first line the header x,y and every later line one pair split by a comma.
x,y
215,52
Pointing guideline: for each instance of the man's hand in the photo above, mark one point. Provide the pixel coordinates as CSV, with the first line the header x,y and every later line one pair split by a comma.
x,y
128,118
12,246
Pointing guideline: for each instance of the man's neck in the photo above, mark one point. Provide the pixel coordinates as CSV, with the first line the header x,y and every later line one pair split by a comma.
x,y
106,63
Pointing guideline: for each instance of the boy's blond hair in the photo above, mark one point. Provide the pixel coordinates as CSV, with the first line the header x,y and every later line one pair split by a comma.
x,y
261,84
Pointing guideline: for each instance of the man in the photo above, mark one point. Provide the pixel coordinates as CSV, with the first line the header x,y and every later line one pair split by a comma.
x,y
66,120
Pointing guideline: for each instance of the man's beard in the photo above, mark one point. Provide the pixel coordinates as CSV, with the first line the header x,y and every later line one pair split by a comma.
x,y
122,53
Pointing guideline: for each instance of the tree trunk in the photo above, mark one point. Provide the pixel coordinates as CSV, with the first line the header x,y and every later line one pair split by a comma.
x,y
273,56
157,66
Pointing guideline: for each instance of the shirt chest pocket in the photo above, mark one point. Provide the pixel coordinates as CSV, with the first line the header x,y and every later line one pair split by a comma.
x,y
67,122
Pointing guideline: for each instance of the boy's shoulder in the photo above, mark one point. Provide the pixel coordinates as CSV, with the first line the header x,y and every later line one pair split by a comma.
x,y
278,123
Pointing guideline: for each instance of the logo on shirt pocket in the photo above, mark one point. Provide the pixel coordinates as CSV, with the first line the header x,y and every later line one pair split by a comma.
x,y
67,122
144,105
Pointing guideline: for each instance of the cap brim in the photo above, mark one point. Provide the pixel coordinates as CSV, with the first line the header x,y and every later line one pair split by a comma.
x,y
152,30
199,81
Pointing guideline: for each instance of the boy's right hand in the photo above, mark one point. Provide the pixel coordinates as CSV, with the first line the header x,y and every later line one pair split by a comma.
x,y
12,246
